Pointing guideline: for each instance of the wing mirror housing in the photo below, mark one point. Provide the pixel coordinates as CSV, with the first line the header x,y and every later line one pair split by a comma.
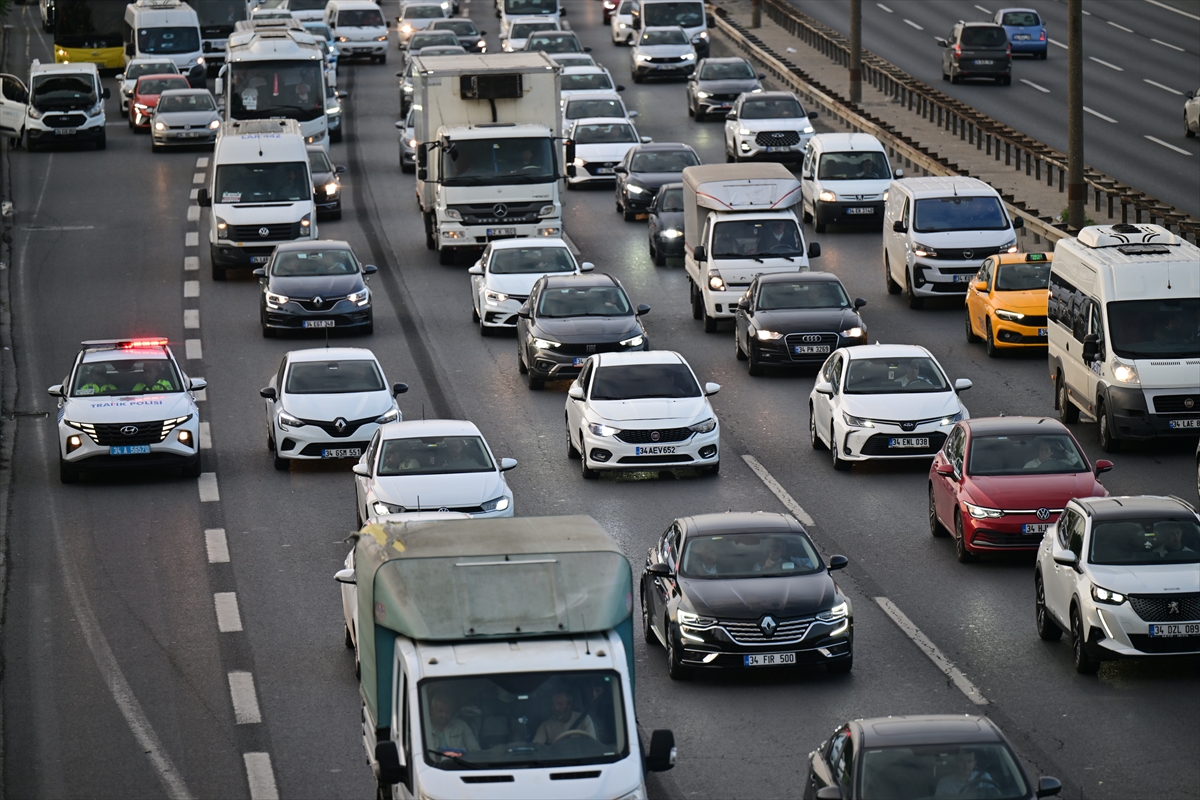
x,y
762,76
575,392
824,387
339,169
1091,347
1019,222
945,470
1048,787
981,286
260,272
120,78
268,393
620,87
587,266
1102,466
941,42
523,312
422,174
476,269
859,302
643,310
1065,557
662,751
661,570
56,390
422,155
345,576
961,385
361,469
899,227
399,389
838,562
370,269
899,173
699,253
106,93
814,249
829,793
400,125
731,116
620,170
633,114
813,115
647,139
507,463
711,388
195,384
203,198
387,756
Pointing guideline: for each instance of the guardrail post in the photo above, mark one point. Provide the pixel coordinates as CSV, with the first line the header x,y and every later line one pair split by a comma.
x,y
755,13
1008,154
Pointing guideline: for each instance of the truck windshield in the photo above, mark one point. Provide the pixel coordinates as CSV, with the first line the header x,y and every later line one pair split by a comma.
x,y
276,89
63,92
1155,328
523,719
775,238
277,182
166,41
218,17
523,8
498,162
685,15
939,214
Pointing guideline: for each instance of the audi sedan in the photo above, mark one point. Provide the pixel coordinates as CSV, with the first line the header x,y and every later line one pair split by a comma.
x,y
310,285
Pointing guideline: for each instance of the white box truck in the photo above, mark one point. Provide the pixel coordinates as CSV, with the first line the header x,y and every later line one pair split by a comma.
x,y
739,221
487,127
496,660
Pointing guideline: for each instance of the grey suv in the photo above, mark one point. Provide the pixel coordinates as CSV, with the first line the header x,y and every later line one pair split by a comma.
x,y
976,50
716,84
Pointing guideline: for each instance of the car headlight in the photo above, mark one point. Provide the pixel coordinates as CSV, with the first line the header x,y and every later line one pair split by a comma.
x,y
924,250
600,429
840,611
854,333
701,36
744,132
286,420
381,38
670,234
809,129
703,427
96,110
412,143
408,89
331,188
499,504
453,213
545,344
1010,316
703,94
142,107
950,420
222,229
633,341
392,415
494,298
857,422
979,512
886,192
621,26
1009,246
361,297
716,282
216,123
159,126
34,113
827,197
689,56
306,223
1102,595
381,508
694,620
275,300
633,188
481,44
640,57
1126,373
767,336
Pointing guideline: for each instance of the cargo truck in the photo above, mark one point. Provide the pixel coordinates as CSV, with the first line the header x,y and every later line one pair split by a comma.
x,y
496,660
739,221
487,156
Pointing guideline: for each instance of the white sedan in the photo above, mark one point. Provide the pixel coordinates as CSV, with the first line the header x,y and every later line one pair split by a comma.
x,y
327,402
883,401
505,274
600,145
431,465
587,79
644,410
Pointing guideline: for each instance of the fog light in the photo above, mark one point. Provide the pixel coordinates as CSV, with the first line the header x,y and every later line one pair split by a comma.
x,y
548,231
919,276
73,443
185,438
599,455
708,451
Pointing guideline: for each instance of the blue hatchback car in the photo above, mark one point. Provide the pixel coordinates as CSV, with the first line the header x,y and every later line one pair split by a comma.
x,y
1025,29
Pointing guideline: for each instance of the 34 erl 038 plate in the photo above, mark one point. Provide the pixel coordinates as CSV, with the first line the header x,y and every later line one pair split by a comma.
x,y
769,659
1175,629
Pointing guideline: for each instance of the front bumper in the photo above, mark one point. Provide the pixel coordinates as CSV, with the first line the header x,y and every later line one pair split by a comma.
x,y
591,172
648,69
553,365
291,316
327,204
1118,632
91,133
942,278
1005,534
715,648
781,353
1132,418
1012,335
500,315
840,213
174,138
638,202
312,443
361,49
611,453
866,444
172,451
748,149
455,235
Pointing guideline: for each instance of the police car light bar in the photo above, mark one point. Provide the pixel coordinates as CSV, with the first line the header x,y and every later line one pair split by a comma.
x,y
122,344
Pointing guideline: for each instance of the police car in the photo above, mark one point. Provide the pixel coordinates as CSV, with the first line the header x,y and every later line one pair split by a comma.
x,y
127,403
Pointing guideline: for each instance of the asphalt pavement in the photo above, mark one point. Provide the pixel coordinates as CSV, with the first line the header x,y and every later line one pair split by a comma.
x,y
117,680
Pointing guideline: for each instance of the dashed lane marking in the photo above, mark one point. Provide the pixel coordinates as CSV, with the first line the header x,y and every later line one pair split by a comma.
x,y
198,177
1042,89
191,239
1098,114
1168,44
217,546
205,436
193,213
209,493
1057,43
913,24
1104,63
930,649
193,194
191,263
1168,145
885,8
192,289
193,349
1120,27
202,162
984,10
777,489
1179,11
229,619
1160,86
261,776
191,316
245,701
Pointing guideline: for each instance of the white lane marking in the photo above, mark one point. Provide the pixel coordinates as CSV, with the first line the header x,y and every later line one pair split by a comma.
x,y
1167,44
1120,27
193,349
207,482
57,228
205,436
201,162
984,10
1168,145
1086,13
915,25
245,701
1057,43
198,177
777,489
201,395
229,619
193,194
1171,8
1159,85
193,213
1035,86
191,289
259,772
930,649
1098,114
191,263
885,8
217,546
191,239
1106,64
191,318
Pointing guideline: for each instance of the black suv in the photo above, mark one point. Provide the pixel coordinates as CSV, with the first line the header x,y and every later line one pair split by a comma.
x,y
976,50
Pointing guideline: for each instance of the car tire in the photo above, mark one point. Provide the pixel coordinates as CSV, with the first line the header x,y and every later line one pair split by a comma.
x,y
67,473
475,315
335,136
638,77
711,469
697,302
1006,80
913,300
368,329
405,166
446,257
889,281
839,463
155,147
282,464
335,215
587,472
430,238
814,438
841,666
739,353
818,226
192,468
659,259
572,450
964,555
521,368
484,330
990,339
730,158
1068,412
1042,56
348,639
955,78
1084,663
701,116
1047,628
676,671
804,212
534,383
972,338
945,76
936,528
1187,130
1109,443
268,333
628,216
753,366
647,631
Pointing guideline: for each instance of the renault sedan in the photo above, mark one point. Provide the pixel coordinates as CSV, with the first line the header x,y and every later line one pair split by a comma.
x,y
311,285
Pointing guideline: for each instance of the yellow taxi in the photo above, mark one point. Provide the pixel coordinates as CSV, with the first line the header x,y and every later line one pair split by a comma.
x,y
1006,302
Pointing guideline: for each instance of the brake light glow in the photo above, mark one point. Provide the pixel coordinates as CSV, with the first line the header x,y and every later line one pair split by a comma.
x,y
133,345
1043,36
1008,49
957,51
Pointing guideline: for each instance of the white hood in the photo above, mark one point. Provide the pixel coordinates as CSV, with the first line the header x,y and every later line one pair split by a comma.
x,y
255,214
955,240
663,412
520,284
1168,373
368,33
1148,578
440,491
614,151
800,124
867,188
328,407
899,407
134,408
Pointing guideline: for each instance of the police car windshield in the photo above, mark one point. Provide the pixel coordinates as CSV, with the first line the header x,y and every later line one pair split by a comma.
x,y
120,377
334,377
303,264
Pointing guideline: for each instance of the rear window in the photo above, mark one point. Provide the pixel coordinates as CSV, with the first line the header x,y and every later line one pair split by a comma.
x,y
938,214
739,71
1021,19
420,12
664,161
591,80
984,37
138,70
579,109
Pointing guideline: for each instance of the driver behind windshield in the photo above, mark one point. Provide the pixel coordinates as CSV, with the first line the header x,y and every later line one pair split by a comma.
x,y
564,719
445,733
777,236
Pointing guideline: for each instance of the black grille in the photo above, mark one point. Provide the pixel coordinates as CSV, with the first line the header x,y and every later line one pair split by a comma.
x,y
947,288
723,98
777,139
1158,608
750,632
325,305
1029,541
793,340
499,213
585,349
110,434
352,425
877,445
654,459
1177,403
667,60
277,232
1172,644
64,120
1040,322
977,254
593,168
315,448
647,436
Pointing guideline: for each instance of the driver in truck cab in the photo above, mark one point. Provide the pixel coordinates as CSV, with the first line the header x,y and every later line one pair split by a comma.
x,y
778,235
446,733
564,719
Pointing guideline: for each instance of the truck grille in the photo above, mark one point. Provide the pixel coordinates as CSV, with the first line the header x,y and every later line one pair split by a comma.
x,y
747,632
277,232
1167,608
647,436
499,213
64,120
1177,404
116,434
777,139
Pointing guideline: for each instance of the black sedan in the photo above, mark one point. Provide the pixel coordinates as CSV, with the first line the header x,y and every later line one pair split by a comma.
x,y
795,319
717,82
643,172
327,186
744,590
666,224
568,318
913,757
468,35
309,285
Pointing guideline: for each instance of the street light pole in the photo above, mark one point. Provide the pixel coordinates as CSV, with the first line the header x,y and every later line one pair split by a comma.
x,y
1076,188
856,51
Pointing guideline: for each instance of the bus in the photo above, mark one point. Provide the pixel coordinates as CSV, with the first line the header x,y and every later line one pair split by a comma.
x,y
89,30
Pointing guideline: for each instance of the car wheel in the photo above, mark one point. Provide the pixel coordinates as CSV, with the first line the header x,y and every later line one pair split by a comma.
x,y
647,631
710,323
1084,663
945,76
349,640
572,450
484,330
889,281
1187,129
659,259
818,226
1108,442
804,212
992,350
700,115
935,527
1042,55
587,472
753,365
628,216
430,239
1047,628
1068,412
218,273
446,257
268,333
813,437
730,158
675,668
913,300
405,166
335,136
67,473
369,328
739,353
965,556
534,383
838,462
697,302
155,147
1006,80
955,78
282,464
972,338
474,313
638,77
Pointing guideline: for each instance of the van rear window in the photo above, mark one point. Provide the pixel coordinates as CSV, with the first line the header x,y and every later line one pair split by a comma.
x,y
940,214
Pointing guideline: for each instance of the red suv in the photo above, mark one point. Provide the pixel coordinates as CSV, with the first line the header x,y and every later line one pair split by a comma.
x,y
144,97
998,483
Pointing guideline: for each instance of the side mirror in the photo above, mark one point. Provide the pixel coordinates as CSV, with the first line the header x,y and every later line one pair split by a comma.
x,y
829,793
980,286
400,125
859,302
572,171
399,74
824,387
662,751
813,115
56,390
838,562
476,269
569,151
586,49
711,388
1048,787
370,269
587,266
962,384
361,469
399,388
268,393
422,174
342,95
106,93
130,49
646,139
260,272
814,249
1102,466
422,155
339,169
1190,95
732,115
620,170
1065,557
620,87
219,85
898,173
643,310
507,463
391,771
741,305
660,569
1091,347
575,392
203,199
345,576
1018,223
632,114
941,42
945,470
523,312
195,384
806,176
899,227
699,253
120,78
762,76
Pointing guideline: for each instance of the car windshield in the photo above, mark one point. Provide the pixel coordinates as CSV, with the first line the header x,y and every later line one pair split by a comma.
x,y
442,50
584,301
160,85
1022,277
984,36
617,133
554,44
113,377
136,71
1024,454
802,294
162,41
778,238
1020,19
531,260
360,18
644,381
520,8
595,107
319,161
940,214
854,166
306,5
301,263
461,27
663,161
671,200
986,770
673,36
334,377
589,80
574,60
685,15
483,162
748,555
422,12
773,108
523,719
1145,542
522,30
434,455
895,376
726,71
432,39
278,182
173,103
1155,328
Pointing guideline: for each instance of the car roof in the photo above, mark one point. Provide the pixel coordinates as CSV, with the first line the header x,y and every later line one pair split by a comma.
x,y
552,35
321,244
156,75
725,60
792,277
649,28
1023,258
772,95
886,351
603,121
586,279
585,69
945,185
593,94
739,522
669,147
640,357
928,729
185,92
331,354
137,60
847,141
428,427
1134,506
980,25
540,241
985,426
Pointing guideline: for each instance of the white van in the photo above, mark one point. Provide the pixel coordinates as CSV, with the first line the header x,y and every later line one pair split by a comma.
x,y
166,28
358,29
63,103
1124,312
260,193
844,179
938,231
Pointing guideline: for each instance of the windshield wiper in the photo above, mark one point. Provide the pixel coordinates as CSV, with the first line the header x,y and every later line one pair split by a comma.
x,y
462,762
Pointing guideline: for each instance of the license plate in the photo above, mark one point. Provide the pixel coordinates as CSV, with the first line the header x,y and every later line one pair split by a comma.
x,y
769,659
1021,37
922,441
129,450
859,210
344,452
1179,424
1043,333
1175,629
657,450
604,170
983,62
65,131
579,362
963,278
777,149
501,231
1036,527
259,259
804,349
189,135
318,323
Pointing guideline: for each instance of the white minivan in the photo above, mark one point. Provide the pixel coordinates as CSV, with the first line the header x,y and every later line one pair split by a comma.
x,y
1124,332
358,29
168,29
844,179
936,233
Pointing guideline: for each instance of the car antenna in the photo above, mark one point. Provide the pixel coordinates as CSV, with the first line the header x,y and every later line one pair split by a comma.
x,y
422,411
327,338
587,645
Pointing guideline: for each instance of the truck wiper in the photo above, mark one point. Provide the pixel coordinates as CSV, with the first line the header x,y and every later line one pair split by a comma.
x,y
462,762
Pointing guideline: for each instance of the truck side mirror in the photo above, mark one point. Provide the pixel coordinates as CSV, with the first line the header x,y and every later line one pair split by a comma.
x,y
662,751
571,171
422,155
899,173
814,249
422,174
699,253
899,227
219,87
130,49
203,198
1019,222
1091,347
391,771
399,388
569,151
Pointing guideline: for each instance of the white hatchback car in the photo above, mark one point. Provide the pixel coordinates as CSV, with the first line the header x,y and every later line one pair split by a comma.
x,y
600,145
136,68
505,274
587,79
661,52
327,403
644,410
890,401
621,23
1122,576
431,465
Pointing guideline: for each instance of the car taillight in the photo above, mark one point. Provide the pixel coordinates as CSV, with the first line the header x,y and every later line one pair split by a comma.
x,y
1008,50
1043,36
957,51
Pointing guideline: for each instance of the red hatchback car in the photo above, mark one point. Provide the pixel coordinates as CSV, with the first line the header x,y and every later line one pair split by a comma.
x,y
145,97
998,483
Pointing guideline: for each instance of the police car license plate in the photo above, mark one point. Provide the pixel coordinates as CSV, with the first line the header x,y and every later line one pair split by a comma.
x,y
803,349
319,323
129,450
1175,629
922,441
501,231
658,450
1036,527
65,131
860,210
604,170
1180,424
769,659
343,452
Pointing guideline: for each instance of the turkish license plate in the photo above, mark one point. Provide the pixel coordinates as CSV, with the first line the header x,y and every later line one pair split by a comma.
x,y
769,659
1021,37
342,452
983,62
65,131
1179,424
655,450
319,323
805,349
501,231
259,259
1043,333
1035,527
778,149
189,134
578,362
860,210
129,450
918,441
604,170
1175,629
962,278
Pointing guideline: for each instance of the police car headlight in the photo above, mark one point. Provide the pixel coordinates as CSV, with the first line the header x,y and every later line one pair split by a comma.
x,y
222,229
381,508
74,442
360,298
275,300
286,420
499,504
